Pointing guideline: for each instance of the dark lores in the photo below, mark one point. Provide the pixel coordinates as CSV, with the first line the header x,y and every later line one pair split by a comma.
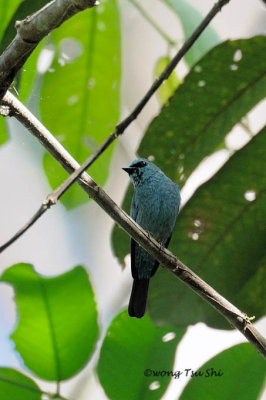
x,y
155,206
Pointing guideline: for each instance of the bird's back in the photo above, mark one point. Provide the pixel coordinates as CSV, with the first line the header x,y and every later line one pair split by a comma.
x,y
157,203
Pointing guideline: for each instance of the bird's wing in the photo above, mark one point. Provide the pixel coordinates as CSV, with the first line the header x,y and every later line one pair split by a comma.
x,y
133,214
156,265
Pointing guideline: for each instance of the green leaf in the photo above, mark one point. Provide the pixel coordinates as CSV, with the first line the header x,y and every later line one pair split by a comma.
x,y
190,19
81,98
14,385
169,86
132,347
228,250
57,325
3,131
243,372
196,119
6,14
16,11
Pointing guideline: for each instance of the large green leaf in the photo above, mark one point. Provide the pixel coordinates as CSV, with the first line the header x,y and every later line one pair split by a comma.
x,y
220,234
236,373
196,119
80,97
57,325
206,106
190,19
133,355
14,386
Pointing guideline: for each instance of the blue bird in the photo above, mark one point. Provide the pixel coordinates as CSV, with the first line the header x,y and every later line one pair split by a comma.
x,y
154,207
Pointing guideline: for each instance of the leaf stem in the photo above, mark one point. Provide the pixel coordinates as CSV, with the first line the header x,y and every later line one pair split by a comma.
x,y
153,23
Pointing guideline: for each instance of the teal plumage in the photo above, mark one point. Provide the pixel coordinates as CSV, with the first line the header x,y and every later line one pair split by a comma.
x,y
155,206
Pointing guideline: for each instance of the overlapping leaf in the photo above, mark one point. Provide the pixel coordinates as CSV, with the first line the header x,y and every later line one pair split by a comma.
x,y
14,385
215,95
169,86
81,90
57,325
137,351
220,234
17,10
236,373
212,99
190,19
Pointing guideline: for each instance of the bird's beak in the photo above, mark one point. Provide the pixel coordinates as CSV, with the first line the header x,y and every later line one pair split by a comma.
x,y
129,170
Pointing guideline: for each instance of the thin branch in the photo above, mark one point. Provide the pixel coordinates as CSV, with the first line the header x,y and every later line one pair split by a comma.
x,y
236,318
31,31
153,23
120,128
22,230
30,122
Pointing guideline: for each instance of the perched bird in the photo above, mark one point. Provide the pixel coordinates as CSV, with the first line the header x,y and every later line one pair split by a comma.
x,y
154,207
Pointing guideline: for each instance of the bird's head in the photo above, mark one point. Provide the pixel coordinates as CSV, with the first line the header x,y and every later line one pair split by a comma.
x,y
141,170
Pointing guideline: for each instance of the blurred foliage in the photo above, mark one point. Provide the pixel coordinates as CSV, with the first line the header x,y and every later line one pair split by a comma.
x,y
243,373
190,18
16,10
219,232
57,320
3,131
215,95
131,347
197,118
84,108
168,87
16,386
221,236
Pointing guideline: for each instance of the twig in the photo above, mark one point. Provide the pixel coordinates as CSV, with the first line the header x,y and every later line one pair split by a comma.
x,y
170,41
45,205
31,31
236,318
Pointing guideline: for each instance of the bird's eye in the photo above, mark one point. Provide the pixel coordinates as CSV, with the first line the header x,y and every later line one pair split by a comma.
x,y
140,164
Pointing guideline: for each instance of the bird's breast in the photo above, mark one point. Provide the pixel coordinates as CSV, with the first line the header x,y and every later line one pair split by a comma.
x,y
157,210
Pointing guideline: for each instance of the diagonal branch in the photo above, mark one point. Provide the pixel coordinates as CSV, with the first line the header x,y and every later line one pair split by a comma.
x,y
36,127
31,31
236,318
168,260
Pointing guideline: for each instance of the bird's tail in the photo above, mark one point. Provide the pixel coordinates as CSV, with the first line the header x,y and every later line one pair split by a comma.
x,y
138,298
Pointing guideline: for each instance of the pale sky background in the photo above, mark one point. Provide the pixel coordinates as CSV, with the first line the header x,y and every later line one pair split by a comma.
x,y
63,239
